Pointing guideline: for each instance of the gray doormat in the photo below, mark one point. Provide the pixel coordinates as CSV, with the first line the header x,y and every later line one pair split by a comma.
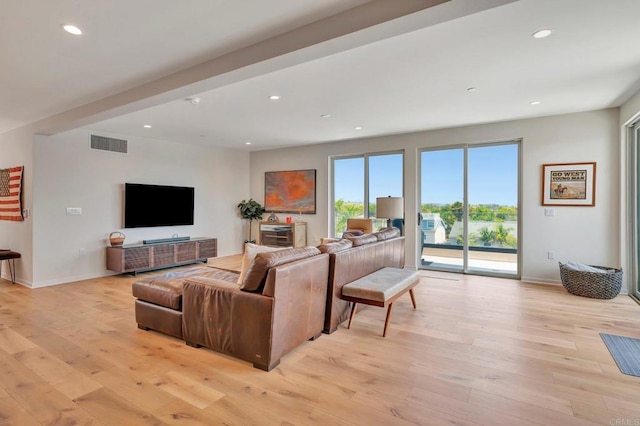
x,y
625,352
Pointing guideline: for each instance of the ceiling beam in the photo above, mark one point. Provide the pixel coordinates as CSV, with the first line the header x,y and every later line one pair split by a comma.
x,y
368,23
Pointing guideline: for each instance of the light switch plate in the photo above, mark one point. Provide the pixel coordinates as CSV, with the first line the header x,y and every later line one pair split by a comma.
x,y
74,211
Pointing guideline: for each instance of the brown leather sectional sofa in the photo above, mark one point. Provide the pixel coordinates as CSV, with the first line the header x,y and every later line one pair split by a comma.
x,y
286,297
279,305
352,258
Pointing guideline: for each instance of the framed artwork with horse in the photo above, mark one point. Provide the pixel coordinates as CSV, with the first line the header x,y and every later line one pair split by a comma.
x,y
569,184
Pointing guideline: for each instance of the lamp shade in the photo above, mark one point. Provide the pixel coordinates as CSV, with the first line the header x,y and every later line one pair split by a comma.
x,y
390,207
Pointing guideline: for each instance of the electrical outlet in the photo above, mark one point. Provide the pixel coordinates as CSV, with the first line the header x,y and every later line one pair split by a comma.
x,y
81,252
551,255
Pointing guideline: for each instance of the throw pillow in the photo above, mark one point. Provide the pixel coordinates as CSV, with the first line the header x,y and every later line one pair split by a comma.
x,y
250,253
387,233
363,239
335,246
256,275
352,233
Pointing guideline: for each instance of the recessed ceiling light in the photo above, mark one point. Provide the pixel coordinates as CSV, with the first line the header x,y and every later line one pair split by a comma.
x,y
358,127
147,126
194,100
325,116
541,33
71,29
247,143
274,97
535,102
471,89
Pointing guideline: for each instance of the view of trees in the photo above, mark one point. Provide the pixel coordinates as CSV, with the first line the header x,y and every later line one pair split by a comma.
x,y
343,211
451,213
497,234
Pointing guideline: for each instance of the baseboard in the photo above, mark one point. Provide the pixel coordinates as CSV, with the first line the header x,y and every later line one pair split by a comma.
x,y
67,280
20,281
536,280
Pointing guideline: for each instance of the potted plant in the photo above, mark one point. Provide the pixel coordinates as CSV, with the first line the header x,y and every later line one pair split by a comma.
x,y
251,210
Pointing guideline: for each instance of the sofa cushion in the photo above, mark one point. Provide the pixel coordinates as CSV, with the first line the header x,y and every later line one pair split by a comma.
x,y
256,275
387,233
166,289
335,246
363,239
250,252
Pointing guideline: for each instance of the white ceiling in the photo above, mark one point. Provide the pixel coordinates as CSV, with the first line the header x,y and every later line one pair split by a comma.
x,y
409,74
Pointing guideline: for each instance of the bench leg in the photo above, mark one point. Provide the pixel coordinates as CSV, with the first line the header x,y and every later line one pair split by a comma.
x,y
386,321
353,314
413,298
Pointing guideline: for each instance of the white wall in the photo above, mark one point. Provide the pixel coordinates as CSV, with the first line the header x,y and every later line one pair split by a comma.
x,y
630,109
70,174
17,150
583,234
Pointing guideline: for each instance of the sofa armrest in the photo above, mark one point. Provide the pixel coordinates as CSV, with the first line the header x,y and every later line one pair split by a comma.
x,y
299,290
218,315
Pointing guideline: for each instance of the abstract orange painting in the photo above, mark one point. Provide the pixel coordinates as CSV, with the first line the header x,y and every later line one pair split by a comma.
x,y
291,191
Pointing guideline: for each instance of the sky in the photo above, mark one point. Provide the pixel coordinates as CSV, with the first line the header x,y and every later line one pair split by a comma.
x,y
493,176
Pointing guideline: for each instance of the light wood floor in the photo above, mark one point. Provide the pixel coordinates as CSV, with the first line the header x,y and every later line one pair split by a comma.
x,y
477,351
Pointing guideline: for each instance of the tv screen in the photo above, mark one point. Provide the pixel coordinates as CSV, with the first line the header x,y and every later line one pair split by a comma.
x,y
157,205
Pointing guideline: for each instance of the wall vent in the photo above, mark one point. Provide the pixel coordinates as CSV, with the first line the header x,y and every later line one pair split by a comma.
x,y
108,144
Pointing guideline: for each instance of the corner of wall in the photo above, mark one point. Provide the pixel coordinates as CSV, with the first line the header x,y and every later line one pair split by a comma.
x,y
17,149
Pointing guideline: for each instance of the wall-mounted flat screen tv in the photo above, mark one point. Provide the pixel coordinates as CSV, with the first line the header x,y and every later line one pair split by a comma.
x,y
157,205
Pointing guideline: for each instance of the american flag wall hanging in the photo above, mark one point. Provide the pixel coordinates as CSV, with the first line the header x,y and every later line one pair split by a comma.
x,y
11,194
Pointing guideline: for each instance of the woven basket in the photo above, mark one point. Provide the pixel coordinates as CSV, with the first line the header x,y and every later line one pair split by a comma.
x,y
592,284
116,239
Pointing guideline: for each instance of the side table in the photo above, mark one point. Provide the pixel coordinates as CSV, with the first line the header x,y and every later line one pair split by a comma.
x,y
10,257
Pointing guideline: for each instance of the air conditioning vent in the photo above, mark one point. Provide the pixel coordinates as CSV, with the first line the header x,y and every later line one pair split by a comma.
x,y
108,144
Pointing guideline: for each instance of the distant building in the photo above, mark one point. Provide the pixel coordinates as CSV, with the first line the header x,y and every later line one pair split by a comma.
x,y
434,230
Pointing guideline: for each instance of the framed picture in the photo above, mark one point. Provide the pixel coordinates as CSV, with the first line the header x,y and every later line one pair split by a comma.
x,y
571,184
291,191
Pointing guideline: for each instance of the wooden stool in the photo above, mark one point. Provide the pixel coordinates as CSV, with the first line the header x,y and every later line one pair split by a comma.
x,y
10,257
381,288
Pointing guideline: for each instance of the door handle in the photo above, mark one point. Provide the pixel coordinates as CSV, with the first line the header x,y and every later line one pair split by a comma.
x,y
419,218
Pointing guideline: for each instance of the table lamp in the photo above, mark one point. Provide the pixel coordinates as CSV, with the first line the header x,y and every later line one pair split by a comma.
x,y
389,208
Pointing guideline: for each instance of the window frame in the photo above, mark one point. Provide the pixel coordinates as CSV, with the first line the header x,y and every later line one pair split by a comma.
x,y
365,156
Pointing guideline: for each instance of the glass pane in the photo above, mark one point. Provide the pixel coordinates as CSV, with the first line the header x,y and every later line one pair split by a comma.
x,y
492,191
385,179
442,193
636,147
348,191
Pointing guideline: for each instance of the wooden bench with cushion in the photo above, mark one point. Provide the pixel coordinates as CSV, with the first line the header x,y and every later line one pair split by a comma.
x,y
381,288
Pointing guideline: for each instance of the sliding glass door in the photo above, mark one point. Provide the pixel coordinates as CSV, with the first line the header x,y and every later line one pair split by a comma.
x,y
634,213
469,209
442,227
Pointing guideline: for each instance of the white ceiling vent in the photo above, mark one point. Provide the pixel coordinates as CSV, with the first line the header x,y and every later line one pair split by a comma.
x,y
108,144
